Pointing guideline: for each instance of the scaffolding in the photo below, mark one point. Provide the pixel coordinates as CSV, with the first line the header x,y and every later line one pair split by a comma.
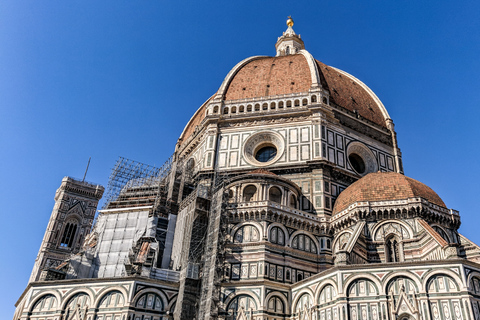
x,y
135,180
214,254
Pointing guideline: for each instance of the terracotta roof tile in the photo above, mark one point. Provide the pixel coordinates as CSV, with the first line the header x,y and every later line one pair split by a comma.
x,y
382,186
270,76
348,94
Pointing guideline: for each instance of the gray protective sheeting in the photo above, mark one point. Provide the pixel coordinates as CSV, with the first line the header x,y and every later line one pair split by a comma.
x,y
117,234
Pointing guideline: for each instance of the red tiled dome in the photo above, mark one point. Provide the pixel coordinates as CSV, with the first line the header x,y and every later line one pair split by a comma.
x,y
261,77
381,186
270,76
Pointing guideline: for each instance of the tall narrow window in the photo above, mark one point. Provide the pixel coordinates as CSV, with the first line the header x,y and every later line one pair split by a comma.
x,y
68,235
392,251
275,195
249,193
293,201
277,236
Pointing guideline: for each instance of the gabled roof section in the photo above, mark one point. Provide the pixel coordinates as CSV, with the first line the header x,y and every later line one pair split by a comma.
x,y
434,234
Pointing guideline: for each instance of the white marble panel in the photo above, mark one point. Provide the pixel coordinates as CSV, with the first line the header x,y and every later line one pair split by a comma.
x,y
233,158
305,135
234,144
305,152
293,153
293,136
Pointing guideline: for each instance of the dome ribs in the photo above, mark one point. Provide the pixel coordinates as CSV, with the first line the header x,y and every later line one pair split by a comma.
x,y
270,76
346,93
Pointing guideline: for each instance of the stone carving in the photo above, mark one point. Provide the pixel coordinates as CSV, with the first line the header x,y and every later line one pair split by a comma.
x,y
264,121
391,228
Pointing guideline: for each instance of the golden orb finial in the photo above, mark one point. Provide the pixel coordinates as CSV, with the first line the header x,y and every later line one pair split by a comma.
x,y
290,21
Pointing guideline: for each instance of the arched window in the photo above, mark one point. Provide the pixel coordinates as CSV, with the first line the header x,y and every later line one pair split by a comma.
x,y
45,305
304,243
293,201
272,106
442,233
246,233
275,195
277,236
297,103
111,300
257,107
111,305
150,301
215,109
265,106
249,193
69,234
299,277
280,105
234,109
225,110
249,108
231,197
327,294
392,250
314,98
287,51
240,306
275,304
362,288
303,305
79,302
241,109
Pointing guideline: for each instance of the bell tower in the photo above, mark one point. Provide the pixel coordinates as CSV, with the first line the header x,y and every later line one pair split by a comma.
x,y
71,221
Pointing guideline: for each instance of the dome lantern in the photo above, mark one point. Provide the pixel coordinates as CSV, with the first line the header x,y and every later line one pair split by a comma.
x,y
289,42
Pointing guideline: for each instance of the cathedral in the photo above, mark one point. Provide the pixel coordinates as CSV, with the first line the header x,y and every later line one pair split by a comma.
x,y
285,198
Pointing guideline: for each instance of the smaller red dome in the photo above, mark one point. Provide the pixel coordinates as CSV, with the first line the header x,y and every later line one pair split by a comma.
x,y
385,186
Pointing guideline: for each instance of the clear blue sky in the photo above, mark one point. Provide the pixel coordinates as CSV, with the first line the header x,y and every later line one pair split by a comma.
x,y
122,78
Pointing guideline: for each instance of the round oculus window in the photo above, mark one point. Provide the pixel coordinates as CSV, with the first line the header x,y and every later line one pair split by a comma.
x,y
360,158
357,162
263,148
266,154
